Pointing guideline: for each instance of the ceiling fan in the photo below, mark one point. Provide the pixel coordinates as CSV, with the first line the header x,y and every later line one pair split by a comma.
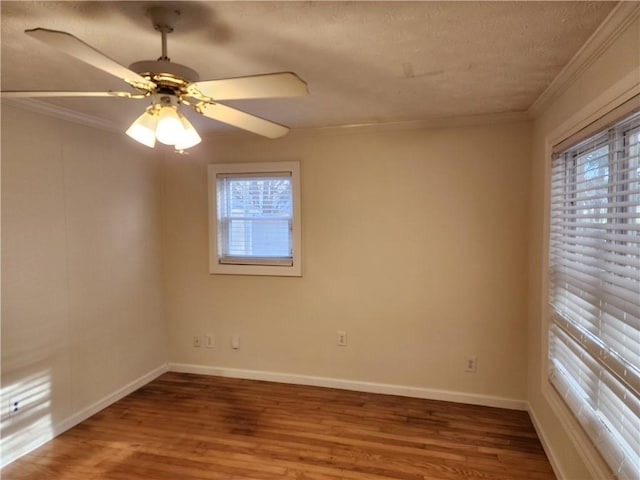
x,y
169,85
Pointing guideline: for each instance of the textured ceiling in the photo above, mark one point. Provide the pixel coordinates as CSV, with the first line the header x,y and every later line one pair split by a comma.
x,y
365,62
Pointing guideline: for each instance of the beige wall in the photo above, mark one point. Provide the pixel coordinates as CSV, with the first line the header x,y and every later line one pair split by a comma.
x,y
414,242
82,308
614,72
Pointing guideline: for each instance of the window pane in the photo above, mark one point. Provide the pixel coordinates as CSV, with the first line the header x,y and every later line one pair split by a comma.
x,y
259,238
259,197
256,214
592,186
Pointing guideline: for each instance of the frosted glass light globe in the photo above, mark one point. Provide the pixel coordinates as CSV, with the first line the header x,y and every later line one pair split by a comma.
x,y
189,137
143,130
170,128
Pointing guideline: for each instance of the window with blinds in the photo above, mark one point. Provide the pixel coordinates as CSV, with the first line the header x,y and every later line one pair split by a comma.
x,y
255,225
594,272
255,218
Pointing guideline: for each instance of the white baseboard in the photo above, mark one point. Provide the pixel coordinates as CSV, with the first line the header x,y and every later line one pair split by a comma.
x,y
109,399
359,386
553,460
66,424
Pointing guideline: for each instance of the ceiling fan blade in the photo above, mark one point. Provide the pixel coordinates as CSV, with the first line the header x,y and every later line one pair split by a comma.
x,y
75,47
243,120
270,85
37,94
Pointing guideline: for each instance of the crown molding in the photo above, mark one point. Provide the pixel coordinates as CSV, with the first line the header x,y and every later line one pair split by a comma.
x,y
623,15
440,122
63,113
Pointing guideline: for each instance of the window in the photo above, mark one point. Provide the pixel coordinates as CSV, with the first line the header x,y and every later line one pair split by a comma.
x,y
594,272
255,218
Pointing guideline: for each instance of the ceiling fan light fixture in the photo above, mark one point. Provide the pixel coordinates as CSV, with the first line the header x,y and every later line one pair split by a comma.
x,y
143,129
166,124
170,85
189,137
170,128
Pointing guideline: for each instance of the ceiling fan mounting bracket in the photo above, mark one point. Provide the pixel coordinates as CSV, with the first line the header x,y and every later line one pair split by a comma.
x,y
163,19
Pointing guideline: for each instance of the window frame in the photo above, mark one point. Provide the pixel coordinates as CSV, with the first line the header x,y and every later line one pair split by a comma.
x,y
258,268
554,319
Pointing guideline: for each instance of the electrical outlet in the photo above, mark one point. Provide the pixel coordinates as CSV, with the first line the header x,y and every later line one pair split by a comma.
x,y
342,338
197,341
471,364
208,341
235,341
15,404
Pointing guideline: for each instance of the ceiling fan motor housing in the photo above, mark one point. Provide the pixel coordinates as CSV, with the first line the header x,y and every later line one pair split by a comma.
x,y
151,68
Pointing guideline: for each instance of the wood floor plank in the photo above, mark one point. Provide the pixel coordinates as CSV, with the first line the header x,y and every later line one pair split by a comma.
x,y
194,427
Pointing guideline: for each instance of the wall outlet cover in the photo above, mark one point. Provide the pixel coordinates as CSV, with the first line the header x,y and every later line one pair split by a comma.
x,y
471,364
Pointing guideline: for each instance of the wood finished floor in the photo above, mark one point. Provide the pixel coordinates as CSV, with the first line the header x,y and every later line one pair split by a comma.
x,y
184,427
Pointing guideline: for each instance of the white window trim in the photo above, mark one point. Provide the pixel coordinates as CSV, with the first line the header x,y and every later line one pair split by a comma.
x,y
622,91
215,267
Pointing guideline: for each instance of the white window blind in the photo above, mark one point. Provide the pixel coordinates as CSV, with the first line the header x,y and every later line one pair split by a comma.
x,y
594,272
255,218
